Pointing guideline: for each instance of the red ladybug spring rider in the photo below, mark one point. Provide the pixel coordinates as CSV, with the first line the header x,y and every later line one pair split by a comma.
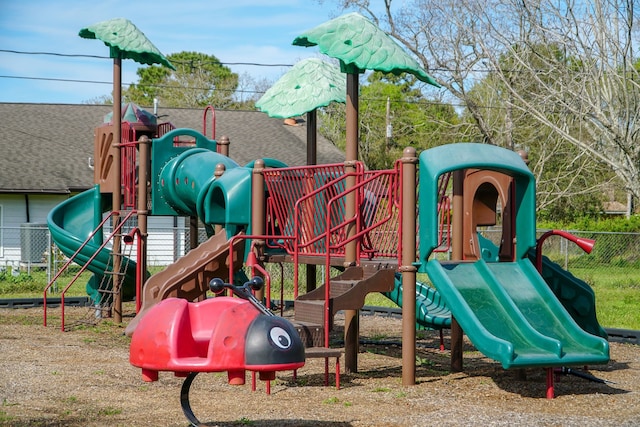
x,y
215,335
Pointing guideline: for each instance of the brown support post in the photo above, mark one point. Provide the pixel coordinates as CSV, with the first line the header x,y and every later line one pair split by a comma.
x,y
310,280
143,195
194,239
223,145
311,160
351,320
219,171
258,213
457,255
117,188
311,138
408,269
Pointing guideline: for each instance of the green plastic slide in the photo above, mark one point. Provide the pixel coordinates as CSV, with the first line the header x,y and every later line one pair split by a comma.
x,y
510,315
431,310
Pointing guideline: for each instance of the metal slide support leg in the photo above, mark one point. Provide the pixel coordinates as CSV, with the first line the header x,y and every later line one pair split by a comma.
x,y
550,388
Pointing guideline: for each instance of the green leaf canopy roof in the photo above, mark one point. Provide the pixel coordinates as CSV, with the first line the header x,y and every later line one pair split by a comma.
x,y
310,84
126,41
358,43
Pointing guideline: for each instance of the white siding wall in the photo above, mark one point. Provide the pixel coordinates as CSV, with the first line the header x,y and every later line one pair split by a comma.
x,y
13,213
166,241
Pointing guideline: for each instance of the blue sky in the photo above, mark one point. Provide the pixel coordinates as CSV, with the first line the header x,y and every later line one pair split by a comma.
x,y
240,31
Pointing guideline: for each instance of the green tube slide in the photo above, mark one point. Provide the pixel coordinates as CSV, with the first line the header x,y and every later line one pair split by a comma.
x,y
187,185
71,223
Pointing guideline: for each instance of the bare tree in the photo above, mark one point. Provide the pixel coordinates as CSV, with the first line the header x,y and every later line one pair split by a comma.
x,y
567,66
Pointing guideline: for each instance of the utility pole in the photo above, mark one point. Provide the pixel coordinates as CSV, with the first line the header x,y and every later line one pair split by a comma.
x,y
389,126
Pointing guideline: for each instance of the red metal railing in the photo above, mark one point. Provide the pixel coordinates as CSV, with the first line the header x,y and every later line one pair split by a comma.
x,y
286,186
298,205
308,204
86,264
129,161
213,122
164,128
128,154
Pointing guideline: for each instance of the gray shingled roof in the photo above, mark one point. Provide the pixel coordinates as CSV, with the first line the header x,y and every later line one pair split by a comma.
x,y
46,148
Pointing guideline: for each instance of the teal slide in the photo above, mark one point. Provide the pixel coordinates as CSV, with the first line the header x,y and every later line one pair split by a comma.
x,y
431,310
576,296
71,223
511,315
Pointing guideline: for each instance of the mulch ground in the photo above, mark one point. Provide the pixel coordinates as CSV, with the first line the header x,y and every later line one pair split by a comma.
x,y
83,377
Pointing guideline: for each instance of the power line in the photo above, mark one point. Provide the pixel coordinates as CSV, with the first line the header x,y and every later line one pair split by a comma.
x,y
73,55
52,79
193,64
241,91
67,55
259,64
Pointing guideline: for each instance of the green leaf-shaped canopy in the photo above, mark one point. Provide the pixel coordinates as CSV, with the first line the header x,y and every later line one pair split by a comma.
x,y
360,45
126,41
310,84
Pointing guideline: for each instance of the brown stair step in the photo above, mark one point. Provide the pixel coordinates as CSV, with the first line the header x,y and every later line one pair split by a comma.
x,y
338,287
311,334
310,311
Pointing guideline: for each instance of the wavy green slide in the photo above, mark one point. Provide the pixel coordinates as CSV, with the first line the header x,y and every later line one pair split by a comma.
x,y
71,223
576,295
511,315
431,310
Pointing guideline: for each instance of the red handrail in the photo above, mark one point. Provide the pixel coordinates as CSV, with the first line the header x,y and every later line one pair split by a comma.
x,y
213,121
257,237
86,264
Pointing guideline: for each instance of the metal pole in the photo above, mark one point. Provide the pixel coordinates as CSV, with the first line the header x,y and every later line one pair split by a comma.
x,y
457,255
409,161
117,188
144,145
351,320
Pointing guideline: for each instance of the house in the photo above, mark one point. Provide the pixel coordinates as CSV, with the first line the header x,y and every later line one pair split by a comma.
x,y
47,156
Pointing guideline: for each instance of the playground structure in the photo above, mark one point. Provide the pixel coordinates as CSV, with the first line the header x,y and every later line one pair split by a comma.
x,y
266,212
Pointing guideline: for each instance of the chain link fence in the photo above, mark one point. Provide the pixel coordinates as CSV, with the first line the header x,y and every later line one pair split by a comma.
x,y
29,248
611,253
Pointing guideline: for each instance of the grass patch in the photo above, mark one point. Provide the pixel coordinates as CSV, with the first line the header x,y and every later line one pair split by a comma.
x,y
4,418
617,291
109,411
20,284
616,287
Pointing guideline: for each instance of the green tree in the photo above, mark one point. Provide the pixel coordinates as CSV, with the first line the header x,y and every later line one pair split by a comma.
x,y
461,41
199,80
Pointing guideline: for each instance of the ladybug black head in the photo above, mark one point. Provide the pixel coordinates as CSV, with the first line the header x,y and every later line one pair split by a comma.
x,y
272,340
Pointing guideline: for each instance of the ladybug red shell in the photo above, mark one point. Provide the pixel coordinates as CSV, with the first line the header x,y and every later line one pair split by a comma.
x,y
217,334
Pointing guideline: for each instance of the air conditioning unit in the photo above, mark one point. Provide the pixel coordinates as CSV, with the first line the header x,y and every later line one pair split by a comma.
x,y
33,242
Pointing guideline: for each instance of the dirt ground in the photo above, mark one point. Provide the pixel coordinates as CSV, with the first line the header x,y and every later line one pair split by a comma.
x,y
83,377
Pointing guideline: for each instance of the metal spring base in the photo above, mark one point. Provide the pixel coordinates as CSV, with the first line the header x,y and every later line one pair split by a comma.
x,y
184,399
